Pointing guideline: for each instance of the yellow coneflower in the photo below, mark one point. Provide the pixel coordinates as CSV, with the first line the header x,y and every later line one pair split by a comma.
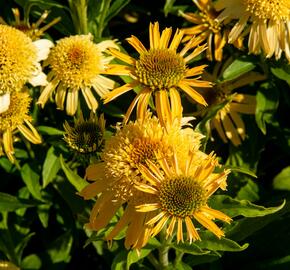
x,y
160,71
76,64
32,30
114,178
16,118
227,121
266,22
208,29
19,60
180,194
85,136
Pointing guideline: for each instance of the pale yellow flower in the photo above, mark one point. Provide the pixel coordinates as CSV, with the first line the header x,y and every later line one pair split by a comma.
x,y
76,64
161,71
180,194
266,21
16,118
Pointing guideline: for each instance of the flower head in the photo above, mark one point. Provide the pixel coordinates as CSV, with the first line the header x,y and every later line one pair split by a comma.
x,y
180,194
132,146
85,136
76,64
224,98
16,118
267,22
19,60
160,71
32,30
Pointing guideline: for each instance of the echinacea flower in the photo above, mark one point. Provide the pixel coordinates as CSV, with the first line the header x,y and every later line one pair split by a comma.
x,y
32,30
19,59
76,64
161,71
180,195
16,118
114,178
85,135
207,28
267,23
227,120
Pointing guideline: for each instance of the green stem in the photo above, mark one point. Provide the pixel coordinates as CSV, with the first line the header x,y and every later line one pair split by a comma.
x,y
103,14
164,249
78,10
178,257
153,261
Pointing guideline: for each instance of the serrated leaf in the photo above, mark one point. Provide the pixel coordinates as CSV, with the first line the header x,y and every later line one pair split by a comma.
x,y
237,68
78,182
51,166
210,242
282,180
31,179
10,203
233,207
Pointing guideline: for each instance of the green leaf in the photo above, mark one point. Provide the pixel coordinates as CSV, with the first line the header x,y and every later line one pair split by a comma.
x,y
134,257
51,131
282,73
241,170
78,182
249,191
51,166
115,8
282,180
43,214
31,179
168,6
210,242
233,207
237,68
31,262
59,250
10,203
190,248
267,104
182,266
119,262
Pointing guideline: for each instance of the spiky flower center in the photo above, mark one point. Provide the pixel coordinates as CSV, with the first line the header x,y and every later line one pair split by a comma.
x,y
181,196
17,112
142,150
84,137
18,59
210,22
275,10
76,61
160,68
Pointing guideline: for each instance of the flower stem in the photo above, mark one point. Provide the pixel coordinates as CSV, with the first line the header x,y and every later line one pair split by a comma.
x,y
153,261
163,250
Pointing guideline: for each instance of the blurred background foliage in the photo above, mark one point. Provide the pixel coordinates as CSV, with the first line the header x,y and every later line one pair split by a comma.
x,y
41,215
